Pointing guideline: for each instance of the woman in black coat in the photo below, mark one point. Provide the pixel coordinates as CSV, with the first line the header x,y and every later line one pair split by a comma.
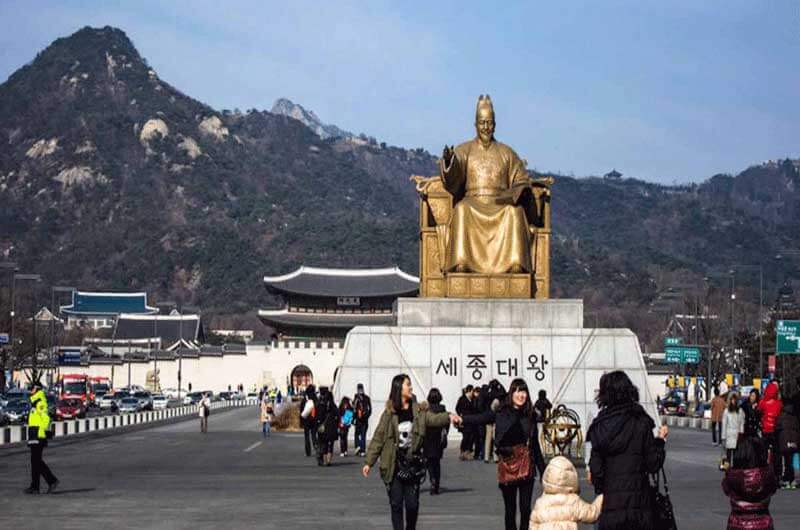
x,y
515,425
435,442
624,452
752,416
328,426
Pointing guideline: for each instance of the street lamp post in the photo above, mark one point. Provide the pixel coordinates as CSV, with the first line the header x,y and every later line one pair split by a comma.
x,y
12,267
33,278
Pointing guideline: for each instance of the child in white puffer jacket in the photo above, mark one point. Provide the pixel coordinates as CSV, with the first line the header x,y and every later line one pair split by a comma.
x,y
560,507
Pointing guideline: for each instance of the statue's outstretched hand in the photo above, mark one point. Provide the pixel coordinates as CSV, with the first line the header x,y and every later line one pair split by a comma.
x,y
447,154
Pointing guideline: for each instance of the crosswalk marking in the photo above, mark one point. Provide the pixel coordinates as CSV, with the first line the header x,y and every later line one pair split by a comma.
x,y
253,447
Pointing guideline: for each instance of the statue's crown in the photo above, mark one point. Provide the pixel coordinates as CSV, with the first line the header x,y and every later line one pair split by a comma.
x,y
484,102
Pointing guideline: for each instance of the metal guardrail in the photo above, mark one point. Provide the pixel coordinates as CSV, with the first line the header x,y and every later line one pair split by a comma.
x,y
12,434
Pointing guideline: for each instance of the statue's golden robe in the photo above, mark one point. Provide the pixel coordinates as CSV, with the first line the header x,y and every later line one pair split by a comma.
x,y
483,235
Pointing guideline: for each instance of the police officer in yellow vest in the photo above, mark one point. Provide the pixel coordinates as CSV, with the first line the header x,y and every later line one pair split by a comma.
x,y
38,429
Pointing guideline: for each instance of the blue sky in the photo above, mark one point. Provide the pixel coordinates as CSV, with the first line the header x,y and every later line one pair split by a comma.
x,y
669,91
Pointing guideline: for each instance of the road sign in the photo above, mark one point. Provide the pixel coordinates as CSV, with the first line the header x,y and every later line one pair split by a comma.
x,y
672,341
4,338
682,354
787,337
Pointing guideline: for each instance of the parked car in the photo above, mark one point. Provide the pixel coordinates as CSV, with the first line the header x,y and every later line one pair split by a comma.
x,y
130,404
17,410
145,398
16,394
160,402
225,396
69,409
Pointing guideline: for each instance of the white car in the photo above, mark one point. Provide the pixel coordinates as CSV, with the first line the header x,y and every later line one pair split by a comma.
x,y
160,402
108,402
129,405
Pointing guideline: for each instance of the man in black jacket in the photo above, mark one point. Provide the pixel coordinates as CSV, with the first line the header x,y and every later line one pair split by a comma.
x,y
362,410
465,407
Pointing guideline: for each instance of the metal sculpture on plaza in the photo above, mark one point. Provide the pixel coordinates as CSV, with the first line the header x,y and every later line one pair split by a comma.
x,y
484,222
561,432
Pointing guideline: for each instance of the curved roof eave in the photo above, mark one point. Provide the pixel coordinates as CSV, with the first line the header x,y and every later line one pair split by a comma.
x,y
315,281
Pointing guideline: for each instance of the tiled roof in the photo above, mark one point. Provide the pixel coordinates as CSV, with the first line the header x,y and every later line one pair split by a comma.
x,y
169,328
91,303
284,317
344,282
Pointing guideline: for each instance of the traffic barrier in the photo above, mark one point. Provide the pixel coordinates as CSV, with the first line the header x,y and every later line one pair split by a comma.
x,y
13,434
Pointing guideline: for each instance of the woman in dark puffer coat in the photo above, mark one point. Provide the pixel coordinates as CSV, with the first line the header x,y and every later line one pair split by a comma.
x,y
750,483
624,452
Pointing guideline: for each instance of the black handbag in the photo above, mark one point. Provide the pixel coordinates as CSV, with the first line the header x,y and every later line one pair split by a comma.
x,y
663,513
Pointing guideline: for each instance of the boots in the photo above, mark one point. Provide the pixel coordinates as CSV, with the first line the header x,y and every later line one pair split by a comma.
x,y
434,487
328,458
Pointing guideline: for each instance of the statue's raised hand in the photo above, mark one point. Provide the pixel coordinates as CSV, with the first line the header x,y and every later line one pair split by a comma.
x,y
447,154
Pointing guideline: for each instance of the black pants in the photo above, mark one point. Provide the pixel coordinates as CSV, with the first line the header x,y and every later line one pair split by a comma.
x,y
771,441
343,432
39,468
480,438
310,435
525,492
361,436
401,495
435,471
716,431
467,440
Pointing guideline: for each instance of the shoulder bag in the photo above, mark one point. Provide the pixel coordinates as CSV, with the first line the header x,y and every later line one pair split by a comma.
x,y
516,467
663,513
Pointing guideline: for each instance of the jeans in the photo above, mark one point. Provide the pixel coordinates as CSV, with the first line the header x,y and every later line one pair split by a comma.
x,y
788,468
361,436
525,490
401,494
39,468
265,427
310,435
343,432
716,431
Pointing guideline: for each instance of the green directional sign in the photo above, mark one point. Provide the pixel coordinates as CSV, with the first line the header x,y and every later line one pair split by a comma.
x,y
672,341
682,354
787,339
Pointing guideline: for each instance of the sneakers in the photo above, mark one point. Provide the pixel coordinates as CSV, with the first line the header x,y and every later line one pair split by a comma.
x,y
342,455
52,487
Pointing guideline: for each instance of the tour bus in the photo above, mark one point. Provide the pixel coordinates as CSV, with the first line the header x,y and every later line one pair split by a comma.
x,y
75,386
98,387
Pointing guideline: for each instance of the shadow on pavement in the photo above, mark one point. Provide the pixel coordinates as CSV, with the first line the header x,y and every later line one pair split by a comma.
x,y
77,490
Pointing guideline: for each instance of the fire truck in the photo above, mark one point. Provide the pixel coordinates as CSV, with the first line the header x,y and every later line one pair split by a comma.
x,y
75,386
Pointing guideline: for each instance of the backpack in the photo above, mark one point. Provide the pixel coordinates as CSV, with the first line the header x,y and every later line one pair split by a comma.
x,y
347,418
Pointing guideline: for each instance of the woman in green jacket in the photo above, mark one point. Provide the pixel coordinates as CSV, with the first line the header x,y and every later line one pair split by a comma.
x,y
396,441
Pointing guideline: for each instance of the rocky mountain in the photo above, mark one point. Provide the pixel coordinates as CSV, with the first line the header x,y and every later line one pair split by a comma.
x,y
112,178
308,118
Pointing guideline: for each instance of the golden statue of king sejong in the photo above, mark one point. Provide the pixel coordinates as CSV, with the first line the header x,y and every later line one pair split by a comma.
x,y
484,222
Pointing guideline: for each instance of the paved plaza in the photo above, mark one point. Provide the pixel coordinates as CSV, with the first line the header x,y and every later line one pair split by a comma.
x,y
174,477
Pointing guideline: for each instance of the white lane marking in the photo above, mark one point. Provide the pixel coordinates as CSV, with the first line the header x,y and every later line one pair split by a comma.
x,y
253,447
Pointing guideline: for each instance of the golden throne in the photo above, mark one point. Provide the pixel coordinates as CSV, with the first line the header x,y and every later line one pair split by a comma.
x,y
435,206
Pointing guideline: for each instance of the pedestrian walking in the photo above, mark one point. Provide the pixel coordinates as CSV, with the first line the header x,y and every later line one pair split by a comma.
x,y
465,407
345,420
435,442
752,416
770,408
204,411
397,442
733,422
517,443
362,406
750,484
38,433
308,419
497,393
718,405
266,417
543,407
560,507
787,431
480,400
327,426
624,453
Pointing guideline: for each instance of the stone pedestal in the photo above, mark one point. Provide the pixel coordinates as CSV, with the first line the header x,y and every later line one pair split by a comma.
x,y
450,343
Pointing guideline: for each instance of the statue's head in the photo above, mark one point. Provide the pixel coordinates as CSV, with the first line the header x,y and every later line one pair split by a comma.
x,y
484,119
